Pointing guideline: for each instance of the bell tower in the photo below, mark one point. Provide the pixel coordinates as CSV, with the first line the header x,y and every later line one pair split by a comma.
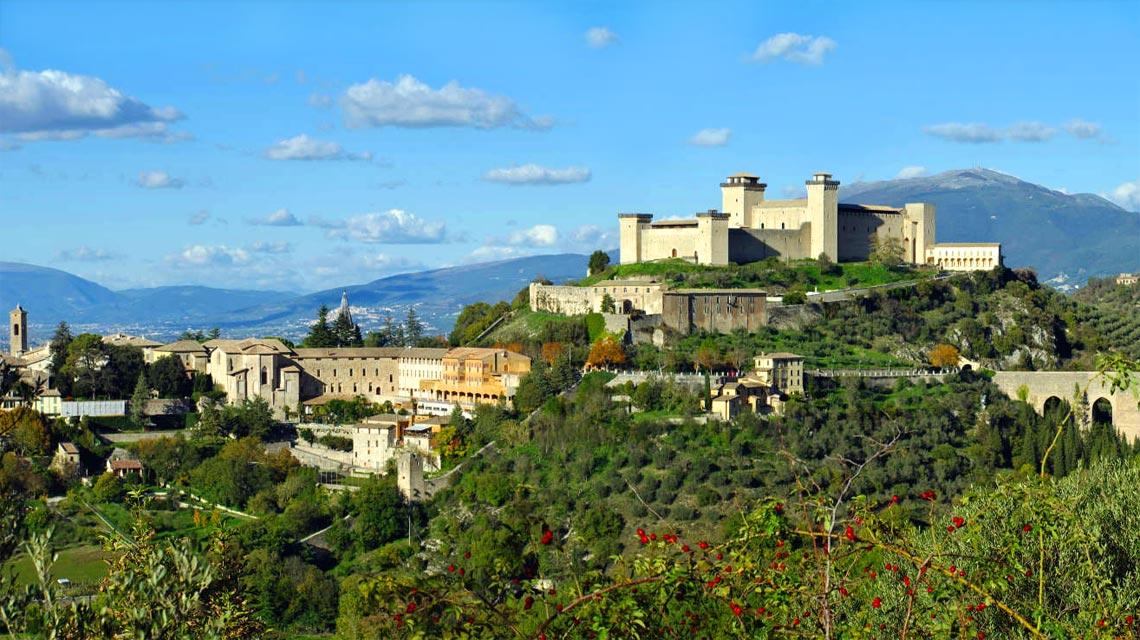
x,y
18,331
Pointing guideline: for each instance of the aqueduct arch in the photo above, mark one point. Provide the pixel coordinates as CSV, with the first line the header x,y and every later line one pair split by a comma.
x,y
1043,385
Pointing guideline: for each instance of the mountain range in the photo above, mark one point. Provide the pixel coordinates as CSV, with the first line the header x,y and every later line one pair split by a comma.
x,y
1068,238
161,313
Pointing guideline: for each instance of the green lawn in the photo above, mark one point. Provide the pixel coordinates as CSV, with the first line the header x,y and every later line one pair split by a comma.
x,y
82,564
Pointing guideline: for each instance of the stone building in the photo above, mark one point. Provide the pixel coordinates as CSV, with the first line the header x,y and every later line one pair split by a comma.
x,y
713,310
1128,278
750,228
627,296
18,331
283,377
782,371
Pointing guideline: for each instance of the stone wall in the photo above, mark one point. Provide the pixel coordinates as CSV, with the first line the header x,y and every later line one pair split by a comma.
x,y
754,245
1043,385
568,301
714,310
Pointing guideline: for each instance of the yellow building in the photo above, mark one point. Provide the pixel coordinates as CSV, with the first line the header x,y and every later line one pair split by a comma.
x,y
472,375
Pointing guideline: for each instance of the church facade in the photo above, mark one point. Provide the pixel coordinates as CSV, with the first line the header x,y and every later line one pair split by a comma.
x,y
750,228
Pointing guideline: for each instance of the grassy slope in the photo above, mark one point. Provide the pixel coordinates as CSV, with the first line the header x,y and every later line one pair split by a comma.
x,y
804,275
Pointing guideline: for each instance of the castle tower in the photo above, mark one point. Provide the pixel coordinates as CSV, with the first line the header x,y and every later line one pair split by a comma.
x,y
712,238
920,237
739,194
18,336
410,476
631,225
823,214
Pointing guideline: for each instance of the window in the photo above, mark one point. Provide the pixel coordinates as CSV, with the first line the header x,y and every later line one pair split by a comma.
x,y
264,377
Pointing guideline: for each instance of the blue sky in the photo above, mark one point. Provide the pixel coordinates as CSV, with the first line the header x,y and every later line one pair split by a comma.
x,y
309,145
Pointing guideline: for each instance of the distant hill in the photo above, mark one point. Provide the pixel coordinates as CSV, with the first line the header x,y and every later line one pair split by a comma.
x,y
438,295
1068,238
51,295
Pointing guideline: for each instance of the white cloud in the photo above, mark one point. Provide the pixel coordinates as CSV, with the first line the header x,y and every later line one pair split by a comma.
x,y
411,103
1030,132
496,253
270,247
208,256
600,37
303,147
199,218
319,100
794,47
279,218
9,145
957,132
159,180
85,254
394,226
542,235
1127,195
386,262
711,137
1085,130
533,174
793,191
589,234
56,105
911,172
1025,131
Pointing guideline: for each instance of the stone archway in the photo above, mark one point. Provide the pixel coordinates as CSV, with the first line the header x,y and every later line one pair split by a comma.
x,y
1102,411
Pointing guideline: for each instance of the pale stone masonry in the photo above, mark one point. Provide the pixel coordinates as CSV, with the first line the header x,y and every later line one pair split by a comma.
x,y
749,229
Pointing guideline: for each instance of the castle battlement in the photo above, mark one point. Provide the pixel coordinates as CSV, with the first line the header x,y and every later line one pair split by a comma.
x,y
749,228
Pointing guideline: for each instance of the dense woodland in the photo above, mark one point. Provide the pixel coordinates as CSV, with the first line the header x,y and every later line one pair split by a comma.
x,y
603,512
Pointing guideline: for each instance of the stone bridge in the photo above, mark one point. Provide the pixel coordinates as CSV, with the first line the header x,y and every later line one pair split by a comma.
x,y
1044,386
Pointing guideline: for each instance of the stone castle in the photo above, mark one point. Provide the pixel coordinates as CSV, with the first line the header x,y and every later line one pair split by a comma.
x,y
749,228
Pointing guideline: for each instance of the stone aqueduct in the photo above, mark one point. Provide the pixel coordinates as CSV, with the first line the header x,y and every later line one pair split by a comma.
x,y
1060,385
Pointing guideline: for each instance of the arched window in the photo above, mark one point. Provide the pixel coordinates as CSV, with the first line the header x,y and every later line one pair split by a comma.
x,y
264,377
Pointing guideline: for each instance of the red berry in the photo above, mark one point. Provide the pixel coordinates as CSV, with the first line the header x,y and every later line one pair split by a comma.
x,y
849,534
877,602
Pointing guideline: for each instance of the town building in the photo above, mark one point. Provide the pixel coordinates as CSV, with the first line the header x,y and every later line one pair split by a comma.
x,y
18,331
714,310
1128,278
749,228
784,372
774,377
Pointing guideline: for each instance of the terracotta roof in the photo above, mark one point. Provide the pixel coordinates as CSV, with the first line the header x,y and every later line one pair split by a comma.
x,y
126,465
182,346
325,398
124,340
69,447
719,292
781,355
366,352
